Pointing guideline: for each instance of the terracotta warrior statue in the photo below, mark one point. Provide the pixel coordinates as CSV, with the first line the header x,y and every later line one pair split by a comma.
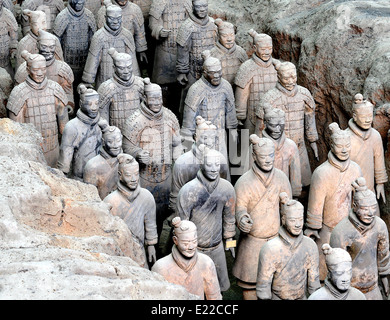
x,y
330,196
51,8
75,26
29,42
151,135
99,66
367,146
231,55
286,151
186,266
6,86
337,285
299,107
42,102
122,94
136,206
365,236
288,264
132,20
254,78
188,164
165,18
56,70
82,136
196,34
102,170
8,38
212,98
209,202
257,211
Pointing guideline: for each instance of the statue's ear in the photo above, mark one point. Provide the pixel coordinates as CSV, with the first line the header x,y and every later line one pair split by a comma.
x,y
175,240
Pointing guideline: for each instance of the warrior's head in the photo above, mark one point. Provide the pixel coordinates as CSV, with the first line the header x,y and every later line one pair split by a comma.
x,y
113,15
340,144
262,44
37,20
365,204
287,75
263,152
111,138
77,5
200,8
291,212
362,112
212,68
153,94
128,170
185,237
123,64
89,101
274,120
47,44
205,133
36,66
211,164
226,33
339,265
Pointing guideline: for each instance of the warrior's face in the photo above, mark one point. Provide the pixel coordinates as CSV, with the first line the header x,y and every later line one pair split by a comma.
x,y
200,8
265,157
38,23
114,18
206,137
213,74
341,147
211,165
77,5
124,69
288,78
113,143
366,209
264,50
292,220
363,116
90,106
129,175
47,48
227,38
186,243
154,101
275,127
37,70
340,275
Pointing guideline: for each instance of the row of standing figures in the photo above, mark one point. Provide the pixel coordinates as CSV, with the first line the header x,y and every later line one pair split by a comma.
x,y
122,139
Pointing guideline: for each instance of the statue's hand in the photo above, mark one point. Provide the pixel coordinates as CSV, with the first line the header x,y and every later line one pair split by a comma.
x,y
164,33
143,57
380,191
311,233
314,147
182,79
143,157
70,110
245,224
151,254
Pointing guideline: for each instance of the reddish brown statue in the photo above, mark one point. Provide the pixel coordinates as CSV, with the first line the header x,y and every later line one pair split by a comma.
x,y
29,42
8,38
132,20
102,170
286,151
299,107
56,70
227,51
42,102
257,211
186,266
365,236
122,94
151,135
82,136
330,196
188,164
136,206
99,66
337,285
209,202
254,78
51,8
367,147
288,264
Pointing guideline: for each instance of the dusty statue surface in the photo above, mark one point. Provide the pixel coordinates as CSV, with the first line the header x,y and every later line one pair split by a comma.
x,y
188,267
288,264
